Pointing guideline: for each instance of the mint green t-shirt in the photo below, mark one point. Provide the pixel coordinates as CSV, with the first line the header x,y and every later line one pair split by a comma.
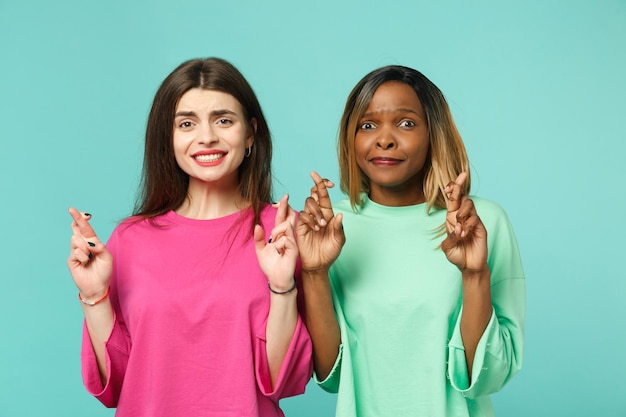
x,y
398,302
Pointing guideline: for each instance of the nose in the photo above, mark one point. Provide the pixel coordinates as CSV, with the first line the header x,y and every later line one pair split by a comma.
x,y
385,140
207,134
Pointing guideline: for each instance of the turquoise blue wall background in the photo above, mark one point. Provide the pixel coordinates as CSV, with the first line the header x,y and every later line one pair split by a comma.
x,y
537,89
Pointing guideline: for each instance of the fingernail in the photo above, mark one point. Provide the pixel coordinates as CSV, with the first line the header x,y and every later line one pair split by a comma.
x,y
90,255
87,215
270,240
91,244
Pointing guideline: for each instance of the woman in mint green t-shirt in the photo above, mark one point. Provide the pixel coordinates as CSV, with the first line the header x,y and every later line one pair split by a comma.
x,y
414,290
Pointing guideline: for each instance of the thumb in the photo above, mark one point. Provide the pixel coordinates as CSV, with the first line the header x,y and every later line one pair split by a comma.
x,y
259,238
338,225
449,242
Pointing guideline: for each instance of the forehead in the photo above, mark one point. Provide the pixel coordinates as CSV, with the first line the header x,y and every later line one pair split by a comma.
x,y
394,96
200,100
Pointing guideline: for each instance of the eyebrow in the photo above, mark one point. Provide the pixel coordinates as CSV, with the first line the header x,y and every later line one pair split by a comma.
x,y
219,112
400,110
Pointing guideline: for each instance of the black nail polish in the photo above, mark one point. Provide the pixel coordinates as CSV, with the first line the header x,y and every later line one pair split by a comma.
x,y
270,241
91,244
90,255
87,215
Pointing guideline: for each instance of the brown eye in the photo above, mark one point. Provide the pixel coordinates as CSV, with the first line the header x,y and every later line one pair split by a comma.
x,y
224,122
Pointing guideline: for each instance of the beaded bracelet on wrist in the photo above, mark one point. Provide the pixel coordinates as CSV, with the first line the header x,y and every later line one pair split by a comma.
x,y
90,303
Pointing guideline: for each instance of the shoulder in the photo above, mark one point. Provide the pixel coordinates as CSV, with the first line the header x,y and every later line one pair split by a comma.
x,y
488,209
133,225
343,206
495,219
267,215
126,224
267,211
135,222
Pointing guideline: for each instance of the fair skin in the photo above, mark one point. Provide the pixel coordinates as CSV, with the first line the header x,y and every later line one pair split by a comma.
x,y
210,137
210,140
91,269
391,147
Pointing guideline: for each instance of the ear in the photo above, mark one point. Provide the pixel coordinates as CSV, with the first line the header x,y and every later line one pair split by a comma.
x,y
250,139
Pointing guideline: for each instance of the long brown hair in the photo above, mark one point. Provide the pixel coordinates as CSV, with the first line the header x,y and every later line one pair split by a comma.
x,y
447,156
164,184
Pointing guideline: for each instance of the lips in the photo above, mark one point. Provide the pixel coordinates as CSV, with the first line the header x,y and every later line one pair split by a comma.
x,y
385,161
208,157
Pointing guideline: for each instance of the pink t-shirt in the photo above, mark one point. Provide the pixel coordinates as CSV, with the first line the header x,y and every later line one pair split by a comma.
x,y
191,305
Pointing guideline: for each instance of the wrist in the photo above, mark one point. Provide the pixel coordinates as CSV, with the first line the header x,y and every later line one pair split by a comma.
x,y
94,299
312,273
281,290
476,274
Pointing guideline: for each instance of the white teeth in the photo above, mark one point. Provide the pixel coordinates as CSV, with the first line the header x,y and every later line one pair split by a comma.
x,y
209,158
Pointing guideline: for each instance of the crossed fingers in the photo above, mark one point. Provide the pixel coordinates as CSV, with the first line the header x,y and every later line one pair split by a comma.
x,y
461,217
317,207
84,239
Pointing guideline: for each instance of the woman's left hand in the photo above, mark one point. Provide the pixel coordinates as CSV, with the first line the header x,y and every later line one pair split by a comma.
x,y
466,243
278,255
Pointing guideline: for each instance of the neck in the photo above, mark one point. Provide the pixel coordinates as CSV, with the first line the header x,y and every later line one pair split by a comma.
x,y
392,197
206,202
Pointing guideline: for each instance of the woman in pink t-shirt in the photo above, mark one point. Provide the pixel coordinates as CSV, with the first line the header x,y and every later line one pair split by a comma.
x,y
191,306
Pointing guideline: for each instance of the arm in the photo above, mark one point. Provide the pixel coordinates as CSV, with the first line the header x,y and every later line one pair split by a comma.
x,y
477,311
278,260
466,247
486,346
99,321
281,323
321,321
91,264
320,239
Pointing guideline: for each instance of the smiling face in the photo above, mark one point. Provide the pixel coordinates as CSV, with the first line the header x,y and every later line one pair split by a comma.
x,y
391,145
210,137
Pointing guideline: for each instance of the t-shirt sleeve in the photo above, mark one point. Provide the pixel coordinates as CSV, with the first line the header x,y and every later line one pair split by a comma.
x,y
499,352
117,349
295,371
331,382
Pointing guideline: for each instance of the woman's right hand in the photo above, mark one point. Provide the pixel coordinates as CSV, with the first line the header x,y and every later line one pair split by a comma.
x,y
90,263
319,231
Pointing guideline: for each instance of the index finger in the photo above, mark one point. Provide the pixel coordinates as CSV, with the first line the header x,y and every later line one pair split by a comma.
x,y
323,198
84,227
